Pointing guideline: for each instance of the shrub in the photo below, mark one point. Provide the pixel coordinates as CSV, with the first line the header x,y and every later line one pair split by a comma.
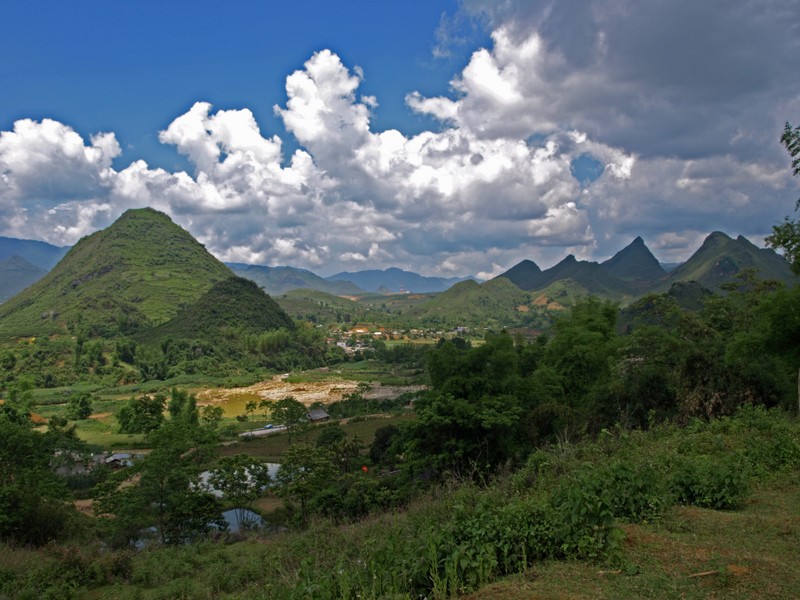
x,y
585,517
637,492
711,483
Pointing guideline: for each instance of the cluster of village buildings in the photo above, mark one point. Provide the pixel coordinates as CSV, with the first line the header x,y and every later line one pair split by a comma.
x,y
362,337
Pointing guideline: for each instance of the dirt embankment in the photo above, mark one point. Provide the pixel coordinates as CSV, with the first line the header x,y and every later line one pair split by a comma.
x,y
307,393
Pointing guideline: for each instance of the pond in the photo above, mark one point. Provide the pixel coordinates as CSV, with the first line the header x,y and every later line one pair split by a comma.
x,y
272,469
236,519
233,405
242,519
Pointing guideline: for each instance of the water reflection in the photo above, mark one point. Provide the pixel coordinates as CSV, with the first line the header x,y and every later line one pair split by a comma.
x,y
242,519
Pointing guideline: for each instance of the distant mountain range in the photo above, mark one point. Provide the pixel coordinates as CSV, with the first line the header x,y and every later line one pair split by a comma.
x,y
41,254
277,281
24,262
634,270
396,281
16,274
144,270
281,280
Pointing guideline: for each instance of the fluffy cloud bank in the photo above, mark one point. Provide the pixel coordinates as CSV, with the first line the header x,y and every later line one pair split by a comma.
x,y
683,131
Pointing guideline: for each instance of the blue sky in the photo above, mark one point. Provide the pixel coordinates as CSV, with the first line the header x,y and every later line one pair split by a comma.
x,y
131,67
451,138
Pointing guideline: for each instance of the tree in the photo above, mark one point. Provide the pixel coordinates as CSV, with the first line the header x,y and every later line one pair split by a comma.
x,y
242,479
581,352
79,406
20,393
142,414
250,407
152,363
304,473
32,508
786,236
290,412
183,406
265,404
379,450
331,436
212,415
163,489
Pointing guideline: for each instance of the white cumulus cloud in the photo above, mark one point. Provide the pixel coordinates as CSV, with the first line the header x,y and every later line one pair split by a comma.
x,y
682,127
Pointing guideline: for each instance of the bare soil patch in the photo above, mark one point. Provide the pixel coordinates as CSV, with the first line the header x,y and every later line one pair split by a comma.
x,y
307,393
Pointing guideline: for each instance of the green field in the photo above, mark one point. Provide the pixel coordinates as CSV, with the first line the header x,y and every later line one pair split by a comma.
x,y
270,447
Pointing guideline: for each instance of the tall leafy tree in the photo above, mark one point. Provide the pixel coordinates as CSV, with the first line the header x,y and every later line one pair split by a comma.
x,y
304,473
290,412
32,498
582,353
242,479
163,489
470,419
786,236
142,414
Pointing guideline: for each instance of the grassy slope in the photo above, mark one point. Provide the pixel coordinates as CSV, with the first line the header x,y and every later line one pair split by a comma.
x,y
144,266
235,303
495,303
719,259
742,555
302,303
687,552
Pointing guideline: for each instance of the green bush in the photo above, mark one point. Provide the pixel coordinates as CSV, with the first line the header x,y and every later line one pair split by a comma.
x,y
585,523
711,483
637,492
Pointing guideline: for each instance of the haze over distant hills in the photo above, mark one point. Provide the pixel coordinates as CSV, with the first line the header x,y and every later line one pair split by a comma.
x,y
41,254
277,281
24,262
396,280
17,273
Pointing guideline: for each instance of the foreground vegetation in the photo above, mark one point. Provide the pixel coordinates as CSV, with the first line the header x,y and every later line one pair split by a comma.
x,y
643,508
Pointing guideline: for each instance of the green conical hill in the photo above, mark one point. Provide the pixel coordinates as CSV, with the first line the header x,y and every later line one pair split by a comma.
x,y
235,304
635,264
496,303
583,275
138,272
525,275
720,258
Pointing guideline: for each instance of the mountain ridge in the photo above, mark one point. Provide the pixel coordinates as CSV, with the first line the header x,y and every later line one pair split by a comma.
x,y
16,274
396,280
43,255
277,281
137,272
721,257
